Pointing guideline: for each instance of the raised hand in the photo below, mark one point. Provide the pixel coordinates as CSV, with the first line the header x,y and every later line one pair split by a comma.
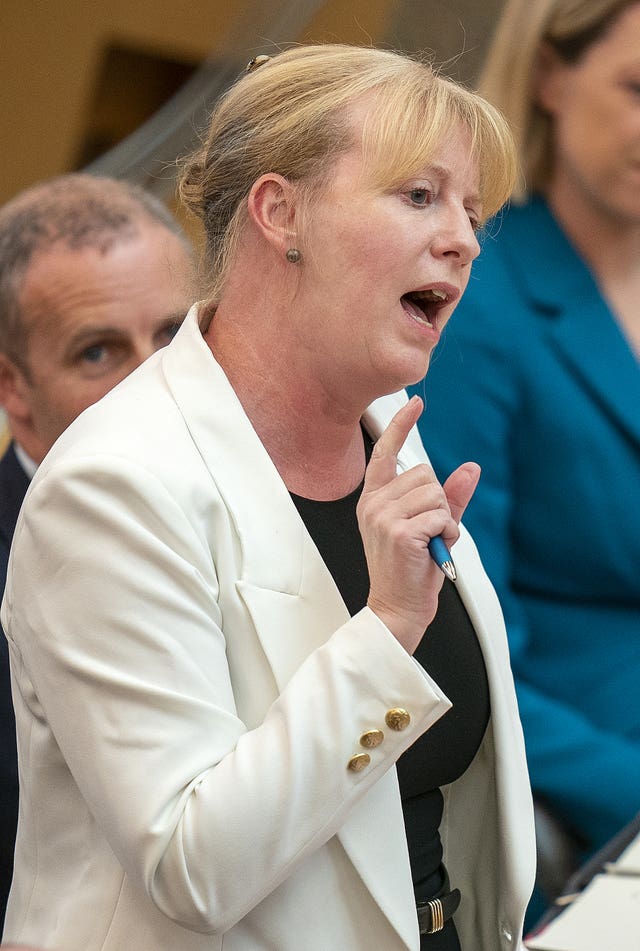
x,y
397,516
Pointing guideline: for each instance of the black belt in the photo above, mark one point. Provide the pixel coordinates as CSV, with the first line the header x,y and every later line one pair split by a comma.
x,y
432,914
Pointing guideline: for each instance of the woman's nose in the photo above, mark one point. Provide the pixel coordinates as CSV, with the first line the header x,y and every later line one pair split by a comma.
x,y
457,238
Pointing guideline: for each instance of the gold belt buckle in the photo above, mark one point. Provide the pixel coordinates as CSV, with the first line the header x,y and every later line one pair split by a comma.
x,y
437,916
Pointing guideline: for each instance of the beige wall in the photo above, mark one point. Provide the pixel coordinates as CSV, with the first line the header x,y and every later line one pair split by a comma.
x,y
51,55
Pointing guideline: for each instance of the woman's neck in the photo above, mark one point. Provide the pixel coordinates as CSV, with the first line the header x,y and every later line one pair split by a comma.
x,y
314,440
609,241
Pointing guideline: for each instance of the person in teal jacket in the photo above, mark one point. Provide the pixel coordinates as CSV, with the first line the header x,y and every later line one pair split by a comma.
x,y
548,339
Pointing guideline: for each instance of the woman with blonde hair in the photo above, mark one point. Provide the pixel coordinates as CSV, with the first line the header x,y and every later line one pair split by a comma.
x,y
233,734
538,379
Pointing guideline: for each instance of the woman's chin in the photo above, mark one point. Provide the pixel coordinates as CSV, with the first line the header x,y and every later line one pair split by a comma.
x,y
407,375
415,370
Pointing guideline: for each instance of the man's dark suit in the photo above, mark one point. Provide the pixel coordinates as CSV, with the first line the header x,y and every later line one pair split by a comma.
x,y
13,486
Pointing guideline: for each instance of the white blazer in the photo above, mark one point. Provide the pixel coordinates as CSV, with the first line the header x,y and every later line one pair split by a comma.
x,y
189,689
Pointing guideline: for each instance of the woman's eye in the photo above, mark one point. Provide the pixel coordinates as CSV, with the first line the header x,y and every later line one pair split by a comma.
x,y
419,196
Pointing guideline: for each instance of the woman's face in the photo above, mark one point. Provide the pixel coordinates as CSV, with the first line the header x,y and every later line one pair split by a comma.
x,y
595,109
382,271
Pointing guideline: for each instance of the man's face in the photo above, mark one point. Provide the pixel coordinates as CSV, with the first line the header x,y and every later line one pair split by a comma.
x,y
91,319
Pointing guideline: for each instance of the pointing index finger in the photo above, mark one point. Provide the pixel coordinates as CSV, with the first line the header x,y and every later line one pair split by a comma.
x,y
383,463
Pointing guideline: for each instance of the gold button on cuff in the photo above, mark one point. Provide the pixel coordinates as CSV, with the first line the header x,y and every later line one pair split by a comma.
x,y
397,719
358,762
371,739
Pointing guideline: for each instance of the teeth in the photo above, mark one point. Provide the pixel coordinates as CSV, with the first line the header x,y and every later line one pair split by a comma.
x,y
422,320
415,312
433,294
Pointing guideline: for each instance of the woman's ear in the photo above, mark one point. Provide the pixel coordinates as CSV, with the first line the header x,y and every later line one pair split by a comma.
x,y
549,77
272,209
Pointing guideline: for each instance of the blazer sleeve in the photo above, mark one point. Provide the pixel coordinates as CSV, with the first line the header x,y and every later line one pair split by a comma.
x,y
473,397
120,604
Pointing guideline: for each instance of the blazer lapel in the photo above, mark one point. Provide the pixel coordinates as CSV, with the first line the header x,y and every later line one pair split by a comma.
x,y
279,562
580,326
239,465
591,344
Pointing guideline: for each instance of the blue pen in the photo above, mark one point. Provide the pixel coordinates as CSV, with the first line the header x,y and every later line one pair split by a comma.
x,y
442,557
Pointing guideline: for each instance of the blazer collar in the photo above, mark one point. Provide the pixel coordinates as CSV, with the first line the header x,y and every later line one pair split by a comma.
x,y
540,255
247,479
580,325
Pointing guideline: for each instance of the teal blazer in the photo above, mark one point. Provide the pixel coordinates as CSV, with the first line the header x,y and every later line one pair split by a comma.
x,y
534,380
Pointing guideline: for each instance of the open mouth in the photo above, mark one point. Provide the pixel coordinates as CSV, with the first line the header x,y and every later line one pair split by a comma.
x,y
423,306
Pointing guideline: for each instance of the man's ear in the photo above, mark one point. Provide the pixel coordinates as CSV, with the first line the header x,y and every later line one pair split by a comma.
x,y
272,209
549,76
14,390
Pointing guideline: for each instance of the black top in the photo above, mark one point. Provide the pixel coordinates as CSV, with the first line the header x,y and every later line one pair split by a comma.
x,y
449,652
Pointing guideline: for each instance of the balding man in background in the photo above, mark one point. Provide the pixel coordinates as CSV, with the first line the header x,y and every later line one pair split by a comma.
x,y
95,275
